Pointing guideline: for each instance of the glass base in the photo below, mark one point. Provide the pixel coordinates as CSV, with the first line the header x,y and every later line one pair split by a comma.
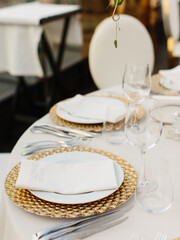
x,y
153,202
116,139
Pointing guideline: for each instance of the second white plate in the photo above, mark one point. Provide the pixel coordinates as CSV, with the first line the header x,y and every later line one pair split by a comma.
x,y
68,117
166,113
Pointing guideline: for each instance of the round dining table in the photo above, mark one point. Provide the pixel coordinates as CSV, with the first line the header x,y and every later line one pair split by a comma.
x,y
18,224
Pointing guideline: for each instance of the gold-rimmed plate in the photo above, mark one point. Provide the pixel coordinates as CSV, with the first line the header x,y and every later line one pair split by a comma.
x,y
31,203
90,127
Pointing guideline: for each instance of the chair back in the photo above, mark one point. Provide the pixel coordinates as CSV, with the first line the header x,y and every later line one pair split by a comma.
x,y
106,62
171,18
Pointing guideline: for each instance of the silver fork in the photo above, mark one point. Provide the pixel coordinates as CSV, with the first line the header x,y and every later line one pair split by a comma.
x,y
40,145
43,142
161,236
136,236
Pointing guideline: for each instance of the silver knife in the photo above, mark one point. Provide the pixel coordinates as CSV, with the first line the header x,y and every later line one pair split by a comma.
x,y
66,225
70,131
39,129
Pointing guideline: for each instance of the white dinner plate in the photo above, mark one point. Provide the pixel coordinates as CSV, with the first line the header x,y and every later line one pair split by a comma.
x,y
68,117
166,112
78,157
170,84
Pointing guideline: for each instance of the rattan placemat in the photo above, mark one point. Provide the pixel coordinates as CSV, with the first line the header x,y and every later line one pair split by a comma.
x,y
156,87
26,200
89,127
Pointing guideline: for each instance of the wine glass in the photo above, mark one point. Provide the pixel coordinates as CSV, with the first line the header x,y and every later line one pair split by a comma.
x,y
144,133
136,82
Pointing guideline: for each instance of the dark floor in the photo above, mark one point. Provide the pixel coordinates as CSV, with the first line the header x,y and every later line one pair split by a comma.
x,y
77,79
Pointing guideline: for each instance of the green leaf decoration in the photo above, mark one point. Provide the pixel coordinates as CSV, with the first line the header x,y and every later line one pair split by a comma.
x,y
118,2
115,43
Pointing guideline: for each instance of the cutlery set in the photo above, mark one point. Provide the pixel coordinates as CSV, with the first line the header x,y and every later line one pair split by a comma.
x,y
73,138
47,144
34,147
80,228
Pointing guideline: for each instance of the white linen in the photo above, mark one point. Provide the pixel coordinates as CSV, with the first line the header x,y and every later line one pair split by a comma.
x,y
18,224
171,78
20,34
87,107
19,50
31,13
70,178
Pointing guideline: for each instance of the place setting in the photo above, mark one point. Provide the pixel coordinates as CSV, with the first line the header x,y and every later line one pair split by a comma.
x,y
87,112
76,121
90,194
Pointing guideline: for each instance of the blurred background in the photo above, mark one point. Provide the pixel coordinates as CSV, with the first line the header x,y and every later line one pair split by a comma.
x,y
75,74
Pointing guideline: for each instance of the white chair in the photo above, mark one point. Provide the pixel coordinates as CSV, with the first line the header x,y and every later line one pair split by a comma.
x,y
106,62
171,23
4,159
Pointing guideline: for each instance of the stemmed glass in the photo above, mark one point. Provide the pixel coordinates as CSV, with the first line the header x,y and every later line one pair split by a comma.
x,y
144,133
136,82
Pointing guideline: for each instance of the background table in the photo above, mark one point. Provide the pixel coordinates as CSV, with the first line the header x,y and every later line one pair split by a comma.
x,y
17,224
27,34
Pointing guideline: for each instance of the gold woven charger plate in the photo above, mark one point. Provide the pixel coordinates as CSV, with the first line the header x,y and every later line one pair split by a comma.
x,y
91,127
26,200
156,87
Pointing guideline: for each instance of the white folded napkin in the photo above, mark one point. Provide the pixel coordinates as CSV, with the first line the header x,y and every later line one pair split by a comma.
x,y
171,78
70,178
90,108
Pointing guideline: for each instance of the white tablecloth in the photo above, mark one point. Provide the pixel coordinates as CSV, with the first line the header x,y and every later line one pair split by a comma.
x,y
20,34
17,224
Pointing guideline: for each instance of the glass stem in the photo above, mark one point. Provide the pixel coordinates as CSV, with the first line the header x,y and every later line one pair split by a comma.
x,y
136,113
143,170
